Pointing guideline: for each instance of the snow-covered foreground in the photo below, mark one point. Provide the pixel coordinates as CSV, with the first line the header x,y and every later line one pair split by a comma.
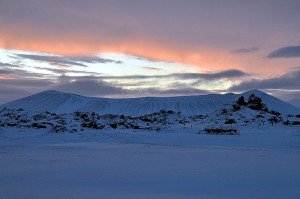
x,y
175,163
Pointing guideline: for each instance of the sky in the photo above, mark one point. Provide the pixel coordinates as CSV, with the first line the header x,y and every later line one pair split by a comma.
x,y
135,48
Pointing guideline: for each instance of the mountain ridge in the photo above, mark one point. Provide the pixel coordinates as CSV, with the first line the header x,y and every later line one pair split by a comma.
x,y
60,102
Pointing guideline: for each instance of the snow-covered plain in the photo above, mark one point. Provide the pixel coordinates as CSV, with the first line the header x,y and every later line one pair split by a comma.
x,y
165,154
176,163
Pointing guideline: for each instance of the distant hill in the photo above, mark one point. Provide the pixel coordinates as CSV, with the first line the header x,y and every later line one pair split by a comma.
x,y
60,102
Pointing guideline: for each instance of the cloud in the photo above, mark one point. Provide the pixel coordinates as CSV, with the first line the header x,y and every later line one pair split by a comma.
x,y
285,86
245,50
169,92
286,52
98,85
103,86
26,83
93,86
152,68
55,60
8,94
13,89
7,65
5,71
148,59
66,60
289,80
232,73
67,70
91,59
89,86
16,72
176,31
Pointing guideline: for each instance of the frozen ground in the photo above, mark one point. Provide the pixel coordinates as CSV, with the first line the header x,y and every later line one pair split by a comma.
x,y
177,163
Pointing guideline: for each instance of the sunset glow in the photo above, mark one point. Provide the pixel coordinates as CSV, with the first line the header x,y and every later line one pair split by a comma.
x,y
151,38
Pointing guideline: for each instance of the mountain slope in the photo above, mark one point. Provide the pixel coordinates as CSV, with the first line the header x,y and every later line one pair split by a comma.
x,y
295,102
273,103
59,102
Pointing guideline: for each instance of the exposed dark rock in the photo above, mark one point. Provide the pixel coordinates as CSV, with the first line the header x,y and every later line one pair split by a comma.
x,y
230,121
113,125
275,113
236,107
255,103
38,126
241,101
221,131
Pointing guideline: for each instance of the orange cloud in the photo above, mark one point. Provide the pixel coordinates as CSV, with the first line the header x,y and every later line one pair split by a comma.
x,y
207,59
199,33
6,77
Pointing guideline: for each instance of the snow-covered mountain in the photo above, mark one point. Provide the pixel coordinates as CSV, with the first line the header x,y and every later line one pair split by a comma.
x,y
60,102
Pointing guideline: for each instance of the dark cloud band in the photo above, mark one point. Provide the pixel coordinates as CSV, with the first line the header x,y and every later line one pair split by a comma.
x,y
233,73
245,50
67,60
289,80
286,52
